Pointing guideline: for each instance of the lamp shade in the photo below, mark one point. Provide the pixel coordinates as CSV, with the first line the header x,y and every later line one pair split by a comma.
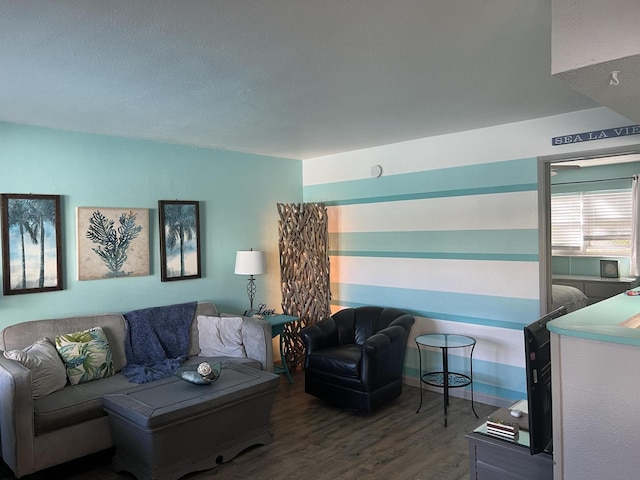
x,y
250,262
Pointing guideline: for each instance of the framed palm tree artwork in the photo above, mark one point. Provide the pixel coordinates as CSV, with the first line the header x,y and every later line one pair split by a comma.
x,y
31,243
179,240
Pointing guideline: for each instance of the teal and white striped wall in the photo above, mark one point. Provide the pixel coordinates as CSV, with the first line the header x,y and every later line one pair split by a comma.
x,y
449,233
435,243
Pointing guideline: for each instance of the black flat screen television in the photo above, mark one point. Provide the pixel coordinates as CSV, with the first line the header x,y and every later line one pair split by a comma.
x,y
537,344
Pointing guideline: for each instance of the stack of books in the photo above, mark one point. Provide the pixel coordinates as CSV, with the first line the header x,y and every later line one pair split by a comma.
x,y
501,429
503,425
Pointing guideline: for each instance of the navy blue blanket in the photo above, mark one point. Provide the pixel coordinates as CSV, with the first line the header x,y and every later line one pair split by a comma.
x,y
157,341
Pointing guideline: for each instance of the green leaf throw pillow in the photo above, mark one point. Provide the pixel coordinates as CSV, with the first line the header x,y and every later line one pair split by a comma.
x,y
86,355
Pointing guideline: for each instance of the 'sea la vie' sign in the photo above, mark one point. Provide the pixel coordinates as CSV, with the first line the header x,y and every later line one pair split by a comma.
x,y
596,135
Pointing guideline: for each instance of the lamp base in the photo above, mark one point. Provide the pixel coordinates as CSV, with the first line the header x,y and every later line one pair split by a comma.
x,y
251,291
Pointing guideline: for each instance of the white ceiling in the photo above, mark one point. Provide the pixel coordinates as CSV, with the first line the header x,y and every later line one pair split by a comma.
x,y
290,78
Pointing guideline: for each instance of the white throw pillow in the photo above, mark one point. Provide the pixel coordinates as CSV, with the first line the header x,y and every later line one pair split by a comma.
x,y
220,336
48,374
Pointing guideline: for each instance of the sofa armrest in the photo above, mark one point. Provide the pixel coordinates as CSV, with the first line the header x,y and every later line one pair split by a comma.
x,y
256,337
16,417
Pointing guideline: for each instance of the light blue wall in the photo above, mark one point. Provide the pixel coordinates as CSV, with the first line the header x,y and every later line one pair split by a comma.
x,y
237,193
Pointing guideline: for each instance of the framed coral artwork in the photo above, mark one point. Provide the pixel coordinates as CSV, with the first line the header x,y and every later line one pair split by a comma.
x,y
179,240
112,242
31,243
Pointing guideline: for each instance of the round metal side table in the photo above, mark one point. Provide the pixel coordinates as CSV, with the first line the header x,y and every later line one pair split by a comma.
x,y
444,378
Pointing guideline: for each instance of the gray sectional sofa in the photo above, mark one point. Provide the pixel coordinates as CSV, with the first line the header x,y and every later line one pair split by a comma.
x,y
37,433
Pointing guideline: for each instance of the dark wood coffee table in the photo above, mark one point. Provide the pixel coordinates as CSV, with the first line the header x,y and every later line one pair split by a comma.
x,y
170,427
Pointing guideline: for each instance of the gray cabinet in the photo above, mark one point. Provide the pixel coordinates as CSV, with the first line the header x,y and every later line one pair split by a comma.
x,y
494,459
597,288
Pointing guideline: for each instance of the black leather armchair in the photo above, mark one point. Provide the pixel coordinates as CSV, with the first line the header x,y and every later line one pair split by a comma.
x,y
354,358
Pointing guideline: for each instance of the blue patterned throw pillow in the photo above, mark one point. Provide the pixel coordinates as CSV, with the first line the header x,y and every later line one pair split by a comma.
x,y
86,355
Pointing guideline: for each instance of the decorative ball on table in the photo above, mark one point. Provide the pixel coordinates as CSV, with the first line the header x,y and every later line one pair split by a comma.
x,y
204,369
201,374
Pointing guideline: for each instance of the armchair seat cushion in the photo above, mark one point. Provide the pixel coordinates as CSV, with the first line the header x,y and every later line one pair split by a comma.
x,y
343,360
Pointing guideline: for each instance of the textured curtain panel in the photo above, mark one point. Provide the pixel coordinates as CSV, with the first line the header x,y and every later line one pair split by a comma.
x,y
304,270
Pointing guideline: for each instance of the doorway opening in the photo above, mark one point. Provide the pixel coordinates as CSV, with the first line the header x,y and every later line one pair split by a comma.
x,y
546,164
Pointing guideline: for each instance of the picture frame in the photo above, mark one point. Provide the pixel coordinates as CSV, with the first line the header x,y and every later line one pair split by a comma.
x,y
179,231
609,269
112,242
31,243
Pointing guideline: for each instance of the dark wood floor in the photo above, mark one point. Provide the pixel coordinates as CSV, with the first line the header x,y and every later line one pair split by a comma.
x,y
313,440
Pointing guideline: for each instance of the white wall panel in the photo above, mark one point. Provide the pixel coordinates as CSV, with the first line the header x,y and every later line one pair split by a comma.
x,y
474,212
477,277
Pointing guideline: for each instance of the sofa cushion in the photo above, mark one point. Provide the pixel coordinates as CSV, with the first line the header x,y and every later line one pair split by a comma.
x,y
203,308
221,336
47,370
86,355
75,404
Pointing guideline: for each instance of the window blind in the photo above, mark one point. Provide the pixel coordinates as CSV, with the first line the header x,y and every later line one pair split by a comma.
x,y
592,223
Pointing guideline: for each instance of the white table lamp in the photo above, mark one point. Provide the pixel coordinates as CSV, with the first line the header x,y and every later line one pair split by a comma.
x,y
250,262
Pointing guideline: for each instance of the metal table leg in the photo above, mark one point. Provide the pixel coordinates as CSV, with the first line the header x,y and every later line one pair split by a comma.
x,y
445,381
471,377
283,359
420,373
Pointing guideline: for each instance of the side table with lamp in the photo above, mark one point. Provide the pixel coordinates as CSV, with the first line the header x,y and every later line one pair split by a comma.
x,y
252,262
278,322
